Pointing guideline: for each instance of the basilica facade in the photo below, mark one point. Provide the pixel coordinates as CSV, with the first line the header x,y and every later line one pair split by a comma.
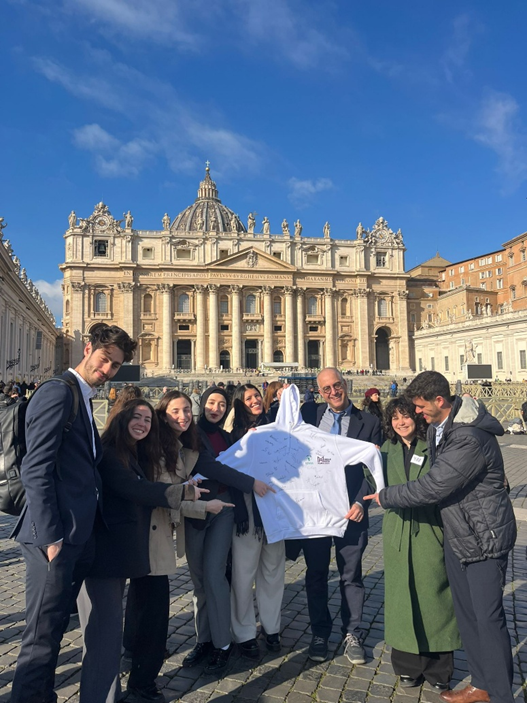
x,y
207,291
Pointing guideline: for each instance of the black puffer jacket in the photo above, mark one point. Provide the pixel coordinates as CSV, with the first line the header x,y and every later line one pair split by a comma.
x,y
467,481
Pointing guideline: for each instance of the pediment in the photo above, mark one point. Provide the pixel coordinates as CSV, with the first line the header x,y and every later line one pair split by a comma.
x,y
252,259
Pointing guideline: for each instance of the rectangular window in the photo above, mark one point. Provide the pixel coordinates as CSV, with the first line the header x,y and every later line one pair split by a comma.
x,y
277,328
479,358
498,257
183,254
446,363
451,272
513,293
461,359
523,360
224,306
462,281
277,307
381,260
481,262
499,283
100,247
412,317
432,363
499,271
148,253
483,285
277,254
451,285
183,328
482,274
499,360
420,364
489,260
313,328
343,261
489,273
312,259
471,267
461,269
224,253
523,254
224,328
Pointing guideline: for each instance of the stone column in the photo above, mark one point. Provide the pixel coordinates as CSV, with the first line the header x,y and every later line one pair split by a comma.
x,y
268,324
200,328
236,361
167,345
127,292
214,352
330,327
77,322
289,325
300,327
362,328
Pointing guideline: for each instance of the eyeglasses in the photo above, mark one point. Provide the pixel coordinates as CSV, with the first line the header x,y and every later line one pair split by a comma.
x,y
339,386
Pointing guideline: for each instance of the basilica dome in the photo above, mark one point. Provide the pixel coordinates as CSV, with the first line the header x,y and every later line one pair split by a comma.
x,y
207,213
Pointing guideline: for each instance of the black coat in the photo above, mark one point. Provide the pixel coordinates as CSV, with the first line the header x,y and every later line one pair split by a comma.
x,y
217,473
122,540
467,481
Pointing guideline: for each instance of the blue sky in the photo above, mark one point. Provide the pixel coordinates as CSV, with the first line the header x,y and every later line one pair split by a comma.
x,y
339,110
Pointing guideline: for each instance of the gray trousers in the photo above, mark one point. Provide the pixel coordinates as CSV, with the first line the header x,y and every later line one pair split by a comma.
x,y
207,551
100,605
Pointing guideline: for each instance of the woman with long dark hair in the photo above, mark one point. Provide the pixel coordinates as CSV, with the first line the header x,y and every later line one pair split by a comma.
x,y
372,403
147,613
127,469
420,624
254,561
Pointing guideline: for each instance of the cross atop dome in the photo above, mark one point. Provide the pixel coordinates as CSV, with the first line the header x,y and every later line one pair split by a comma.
x,y
207,188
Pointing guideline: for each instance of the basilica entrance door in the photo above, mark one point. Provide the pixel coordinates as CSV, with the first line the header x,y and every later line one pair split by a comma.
x,y
313,354
184,354
251,353
382,350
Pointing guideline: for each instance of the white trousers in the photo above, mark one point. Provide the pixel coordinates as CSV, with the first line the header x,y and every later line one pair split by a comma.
x,y
256,562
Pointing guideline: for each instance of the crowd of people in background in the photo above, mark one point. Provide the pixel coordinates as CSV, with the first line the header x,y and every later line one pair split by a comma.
x,y
110,516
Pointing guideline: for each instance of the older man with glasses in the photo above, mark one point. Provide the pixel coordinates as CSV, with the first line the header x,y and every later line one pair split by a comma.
x,y
338,415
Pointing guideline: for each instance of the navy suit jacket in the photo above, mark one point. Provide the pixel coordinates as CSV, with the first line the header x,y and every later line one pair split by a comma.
x,y
59,504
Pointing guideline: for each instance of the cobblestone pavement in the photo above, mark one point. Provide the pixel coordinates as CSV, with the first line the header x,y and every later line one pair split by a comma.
x,y
289,675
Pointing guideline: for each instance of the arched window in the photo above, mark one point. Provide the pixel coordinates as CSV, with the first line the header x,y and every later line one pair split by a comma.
x,y
382,308
147,303
250,303
278,357
67,307
312,305
277,306
344,306
101,302
183,303
224,305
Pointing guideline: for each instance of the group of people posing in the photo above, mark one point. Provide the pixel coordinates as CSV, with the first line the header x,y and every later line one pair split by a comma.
x,y
103,511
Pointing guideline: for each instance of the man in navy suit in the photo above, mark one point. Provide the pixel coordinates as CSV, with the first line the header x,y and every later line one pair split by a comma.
x,y
338,415
59,473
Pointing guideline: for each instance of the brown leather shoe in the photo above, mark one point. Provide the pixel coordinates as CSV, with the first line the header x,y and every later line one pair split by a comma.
x,y
467,695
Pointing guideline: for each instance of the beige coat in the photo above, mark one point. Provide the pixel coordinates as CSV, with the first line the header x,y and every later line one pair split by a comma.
x,y
163,521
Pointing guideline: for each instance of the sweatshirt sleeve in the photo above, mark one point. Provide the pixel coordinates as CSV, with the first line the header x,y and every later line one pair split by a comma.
x,y
355,451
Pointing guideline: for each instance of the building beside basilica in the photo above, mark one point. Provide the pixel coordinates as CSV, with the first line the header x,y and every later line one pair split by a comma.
x,y
206,291
28,336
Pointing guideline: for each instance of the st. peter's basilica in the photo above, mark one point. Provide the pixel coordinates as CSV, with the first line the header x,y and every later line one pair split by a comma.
x,y
207,291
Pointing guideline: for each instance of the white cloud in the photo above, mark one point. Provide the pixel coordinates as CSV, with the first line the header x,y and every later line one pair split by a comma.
x,y
112,157
301,192
52,294
498,127
161,123
455,57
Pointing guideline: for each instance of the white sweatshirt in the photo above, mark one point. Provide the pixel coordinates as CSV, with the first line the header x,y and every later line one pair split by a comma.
x,y
305,465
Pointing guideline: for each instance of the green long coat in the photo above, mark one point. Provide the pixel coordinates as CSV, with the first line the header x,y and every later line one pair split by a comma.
x,y
419,613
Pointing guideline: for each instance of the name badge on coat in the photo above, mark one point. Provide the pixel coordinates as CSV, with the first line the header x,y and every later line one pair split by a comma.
x,y
417,460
